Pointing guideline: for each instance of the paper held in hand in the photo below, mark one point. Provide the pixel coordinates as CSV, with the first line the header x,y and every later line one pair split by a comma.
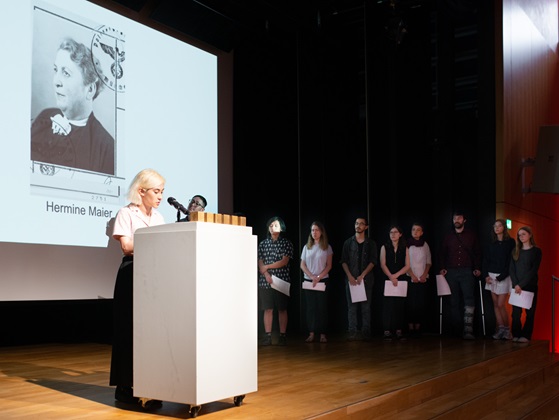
x,y
280,285
524,299
319,287
442,285
396,291
498,287
357,292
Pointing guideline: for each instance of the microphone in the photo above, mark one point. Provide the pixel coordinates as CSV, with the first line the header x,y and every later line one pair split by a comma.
x,y
173,202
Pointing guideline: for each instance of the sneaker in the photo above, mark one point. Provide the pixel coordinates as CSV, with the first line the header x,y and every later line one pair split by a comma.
x,y
499,334
282,340
507,334
515,339
468,336
352,337
267,340
523,340
387,336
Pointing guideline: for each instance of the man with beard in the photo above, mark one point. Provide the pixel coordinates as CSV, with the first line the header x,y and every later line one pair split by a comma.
x,y
359,256
460,261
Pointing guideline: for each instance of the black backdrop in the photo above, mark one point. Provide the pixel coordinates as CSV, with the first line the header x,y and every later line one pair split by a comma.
x,y
349,119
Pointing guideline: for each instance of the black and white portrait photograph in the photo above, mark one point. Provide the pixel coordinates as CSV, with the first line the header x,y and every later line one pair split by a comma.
x,y
76,77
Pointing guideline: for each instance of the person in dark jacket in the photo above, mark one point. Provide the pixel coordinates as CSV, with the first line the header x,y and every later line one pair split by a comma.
x,y
524,266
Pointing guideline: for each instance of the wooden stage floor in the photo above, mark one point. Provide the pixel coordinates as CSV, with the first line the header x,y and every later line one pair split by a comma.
x,y
299,381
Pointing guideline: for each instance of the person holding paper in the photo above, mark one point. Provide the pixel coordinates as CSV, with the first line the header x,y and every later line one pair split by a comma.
x,y
460,261
395,263
496,262
524,266
145,195
274,255
420,264
359,257
316,263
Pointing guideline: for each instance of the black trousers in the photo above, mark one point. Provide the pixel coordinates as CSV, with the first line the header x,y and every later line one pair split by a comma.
x,y
122,352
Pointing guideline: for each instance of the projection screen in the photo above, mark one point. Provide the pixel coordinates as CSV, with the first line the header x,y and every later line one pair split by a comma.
x,y
156,108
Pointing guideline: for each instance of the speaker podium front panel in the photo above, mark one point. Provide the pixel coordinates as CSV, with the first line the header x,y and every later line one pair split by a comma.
x,y
195,312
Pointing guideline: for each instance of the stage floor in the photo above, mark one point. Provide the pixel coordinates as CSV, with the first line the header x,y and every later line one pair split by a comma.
x,y
298,381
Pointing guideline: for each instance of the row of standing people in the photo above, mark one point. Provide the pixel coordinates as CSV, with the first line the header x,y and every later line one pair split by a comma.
x,y
512,267
506,265
359,257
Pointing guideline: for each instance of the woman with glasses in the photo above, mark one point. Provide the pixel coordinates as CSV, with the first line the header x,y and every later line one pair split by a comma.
x,y
395,263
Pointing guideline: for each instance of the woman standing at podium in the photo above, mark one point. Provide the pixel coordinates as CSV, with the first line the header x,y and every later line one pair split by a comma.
x,y
145,195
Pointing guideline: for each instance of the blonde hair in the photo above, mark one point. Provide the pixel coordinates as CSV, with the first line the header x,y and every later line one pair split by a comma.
x,y
145,179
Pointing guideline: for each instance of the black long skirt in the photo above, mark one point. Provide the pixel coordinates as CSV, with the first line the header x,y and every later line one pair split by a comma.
x,y
122,352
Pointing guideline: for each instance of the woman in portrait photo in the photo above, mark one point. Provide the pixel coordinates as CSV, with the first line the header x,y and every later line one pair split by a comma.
x,y
70,134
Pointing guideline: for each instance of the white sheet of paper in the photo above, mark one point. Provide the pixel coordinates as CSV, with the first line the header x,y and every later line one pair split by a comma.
x,y
320,287
358,293
396,291
442,286
493,277
524,299
499,287
280,285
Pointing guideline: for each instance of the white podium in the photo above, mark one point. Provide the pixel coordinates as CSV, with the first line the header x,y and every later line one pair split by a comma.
x,y
195,312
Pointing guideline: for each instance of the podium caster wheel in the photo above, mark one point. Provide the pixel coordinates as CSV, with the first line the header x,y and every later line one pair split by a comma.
x,y
194,410
238,400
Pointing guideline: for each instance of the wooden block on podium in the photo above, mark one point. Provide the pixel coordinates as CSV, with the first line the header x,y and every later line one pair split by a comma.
x,y
218,218
210,217
227,219
197,216
235,220
242,221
